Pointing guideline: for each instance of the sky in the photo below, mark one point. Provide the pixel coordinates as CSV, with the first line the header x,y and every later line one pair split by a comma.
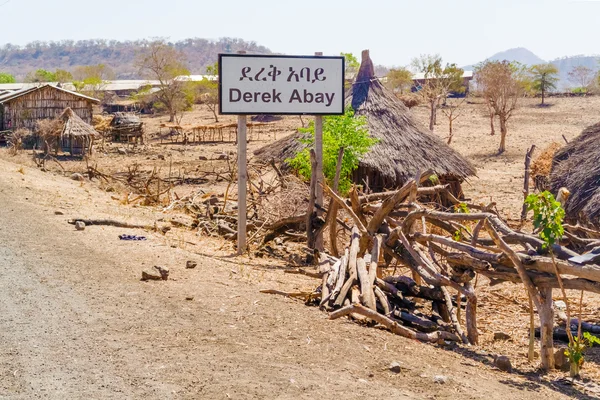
x,y
395,31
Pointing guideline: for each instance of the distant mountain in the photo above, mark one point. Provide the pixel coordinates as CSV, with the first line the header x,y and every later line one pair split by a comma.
x,y
564,64
119,56
519,54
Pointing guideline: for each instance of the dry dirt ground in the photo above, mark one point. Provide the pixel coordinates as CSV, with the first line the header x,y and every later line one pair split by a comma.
x,y
76,321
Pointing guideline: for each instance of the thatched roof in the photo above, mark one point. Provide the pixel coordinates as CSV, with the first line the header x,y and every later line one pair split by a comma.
x,y
126,121
577,168
74,125
404,148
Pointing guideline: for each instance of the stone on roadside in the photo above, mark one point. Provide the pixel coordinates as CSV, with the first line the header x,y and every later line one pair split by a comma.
x,y
501,336
441,379
58,212
79,225
151,275
191,264
503,363
561,361
122,150
163,271
161,156
203,158
77,177
395,367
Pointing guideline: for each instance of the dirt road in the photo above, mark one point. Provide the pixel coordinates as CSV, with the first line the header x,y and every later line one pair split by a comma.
x,y
76,322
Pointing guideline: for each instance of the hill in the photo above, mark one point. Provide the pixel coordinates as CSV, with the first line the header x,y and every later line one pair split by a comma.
x,y
519,54
564,64
118,55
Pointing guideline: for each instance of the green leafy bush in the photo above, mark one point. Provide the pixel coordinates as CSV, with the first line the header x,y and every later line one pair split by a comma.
x,y
338,131
548,216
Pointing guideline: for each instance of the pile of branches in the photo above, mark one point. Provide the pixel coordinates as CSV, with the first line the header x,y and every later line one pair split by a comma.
x,y
445,250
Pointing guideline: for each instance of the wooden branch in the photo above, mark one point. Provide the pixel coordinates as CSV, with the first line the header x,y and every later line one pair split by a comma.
x,y
111,222
352,257
367,297
420,324
383,300
310,213
355,203
333,206
343,204
393,326
341,275
514,258
387,206
528,156
454,315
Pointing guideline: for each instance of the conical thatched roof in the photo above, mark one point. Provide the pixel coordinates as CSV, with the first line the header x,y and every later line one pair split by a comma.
x,y
577,168
403,148
74,125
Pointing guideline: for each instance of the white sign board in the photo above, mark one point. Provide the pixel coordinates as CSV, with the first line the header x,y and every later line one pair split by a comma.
x,y
260,84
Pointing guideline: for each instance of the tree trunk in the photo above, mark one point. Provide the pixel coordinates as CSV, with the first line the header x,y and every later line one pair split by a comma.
x,y
502,147
543,94
431,115
493,130
471,314
546,313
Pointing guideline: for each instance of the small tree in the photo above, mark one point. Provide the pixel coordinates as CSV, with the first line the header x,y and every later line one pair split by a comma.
x,y
162,62
399,80
210,90
352,64
544,78
581,76
63,76
502,85
437,82
90,79
6,78
40,75
452,110
338,131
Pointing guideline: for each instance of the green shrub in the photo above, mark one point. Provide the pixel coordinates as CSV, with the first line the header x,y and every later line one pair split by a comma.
x,y
338,131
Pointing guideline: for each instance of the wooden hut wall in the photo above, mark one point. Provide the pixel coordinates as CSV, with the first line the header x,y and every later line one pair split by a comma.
x,y
46,103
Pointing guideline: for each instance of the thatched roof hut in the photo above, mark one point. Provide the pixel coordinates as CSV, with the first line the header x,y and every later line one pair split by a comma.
x,y
403,149
127,126
76,135
577,167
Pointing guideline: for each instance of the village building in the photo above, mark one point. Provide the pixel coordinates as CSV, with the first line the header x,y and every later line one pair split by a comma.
x,y
24,108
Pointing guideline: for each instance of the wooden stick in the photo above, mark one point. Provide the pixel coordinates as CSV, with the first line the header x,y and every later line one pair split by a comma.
x,y
528,156
352,257
393,326
367,297
342,203
310,213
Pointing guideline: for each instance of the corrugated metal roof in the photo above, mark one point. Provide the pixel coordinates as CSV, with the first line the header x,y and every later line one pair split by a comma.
x,y
18,93
420,76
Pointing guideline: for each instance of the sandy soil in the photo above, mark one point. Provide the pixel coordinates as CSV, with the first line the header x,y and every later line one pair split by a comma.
x,y
75,320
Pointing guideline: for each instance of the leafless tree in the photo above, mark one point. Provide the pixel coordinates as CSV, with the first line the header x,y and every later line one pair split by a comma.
x,y
162,62
502,86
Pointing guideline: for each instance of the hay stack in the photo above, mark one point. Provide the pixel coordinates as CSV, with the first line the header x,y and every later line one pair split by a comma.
x,y
542,166
403,149
577,168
